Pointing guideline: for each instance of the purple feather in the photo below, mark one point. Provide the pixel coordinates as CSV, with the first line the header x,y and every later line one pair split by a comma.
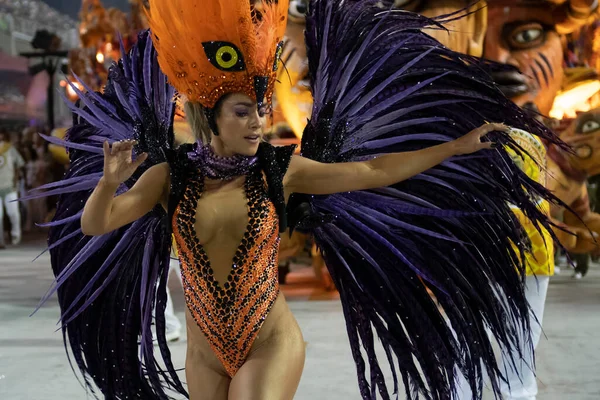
x,y
63,221
367,97
72,145
108,285
448,230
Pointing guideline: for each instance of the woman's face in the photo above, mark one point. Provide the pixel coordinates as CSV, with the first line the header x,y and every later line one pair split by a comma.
x,y
240,126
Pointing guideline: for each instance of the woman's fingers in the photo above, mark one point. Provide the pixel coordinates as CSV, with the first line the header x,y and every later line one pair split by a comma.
x,y
487,128
122,151
483,130
115,148
122,145
139,160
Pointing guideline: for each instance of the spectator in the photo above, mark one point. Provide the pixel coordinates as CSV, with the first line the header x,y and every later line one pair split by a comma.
x,y
11,163
40,146
36,175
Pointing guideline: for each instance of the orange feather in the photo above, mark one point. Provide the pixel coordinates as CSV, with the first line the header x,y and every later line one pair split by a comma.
x,y
184,34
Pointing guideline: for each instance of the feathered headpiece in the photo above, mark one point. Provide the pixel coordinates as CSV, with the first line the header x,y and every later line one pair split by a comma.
x,y
209,48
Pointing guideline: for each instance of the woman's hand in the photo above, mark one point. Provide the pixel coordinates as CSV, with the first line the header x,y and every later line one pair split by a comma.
x,y
471,142
118,165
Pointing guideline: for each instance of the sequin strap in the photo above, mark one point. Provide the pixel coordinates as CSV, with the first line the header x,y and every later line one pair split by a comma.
x,y
275,162
181,169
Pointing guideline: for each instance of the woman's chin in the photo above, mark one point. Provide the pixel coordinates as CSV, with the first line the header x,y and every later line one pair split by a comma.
x,y
249,150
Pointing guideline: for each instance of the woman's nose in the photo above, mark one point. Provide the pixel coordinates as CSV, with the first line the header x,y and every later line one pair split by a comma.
x,y
255,121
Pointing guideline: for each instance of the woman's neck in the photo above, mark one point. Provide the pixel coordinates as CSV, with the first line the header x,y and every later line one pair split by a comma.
x,y
216,166
220,149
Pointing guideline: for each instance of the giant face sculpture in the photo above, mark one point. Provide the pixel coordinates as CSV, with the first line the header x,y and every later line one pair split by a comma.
x,y
464,34
568,173
524,36
584,136
293,87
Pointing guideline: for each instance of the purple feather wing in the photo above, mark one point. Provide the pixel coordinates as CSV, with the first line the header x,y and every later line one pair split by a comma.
x,y
381,85
109,285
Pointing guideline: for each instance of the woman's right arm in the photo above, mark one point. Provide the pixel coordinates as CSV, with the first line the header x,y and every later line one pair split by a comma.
x,y
103,212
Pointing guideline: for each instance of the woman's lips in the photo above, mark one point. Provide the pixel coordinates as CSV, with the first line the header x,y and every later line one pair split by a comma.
x,y
252,138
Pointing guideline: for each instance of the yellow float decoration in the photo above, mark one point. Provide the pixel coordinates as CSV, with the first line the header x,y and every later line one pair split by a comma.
x,y
59,153
541,259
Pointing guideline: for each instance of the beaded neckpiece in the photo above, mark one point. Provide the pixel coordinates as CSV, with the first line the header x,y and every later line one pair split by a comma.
x,y
216,167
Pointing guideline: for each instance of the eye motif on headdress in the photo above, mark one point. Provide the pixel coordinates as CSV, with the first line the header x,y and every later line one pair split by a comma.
x,y
207,52
225,56
278,56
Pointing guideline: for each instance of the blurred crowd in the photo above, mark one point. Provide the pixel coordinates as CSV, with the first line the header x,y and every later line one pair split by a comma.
x,y
25,164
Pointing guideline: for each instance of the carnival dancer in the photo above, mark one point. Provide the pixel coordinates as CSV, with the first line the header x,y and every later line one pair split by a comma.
x,y
386,184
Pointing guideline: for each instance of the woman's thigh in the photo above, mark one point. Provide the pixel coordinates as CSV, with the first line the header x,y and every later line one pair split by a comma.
x,y
204,382
205,375
272,371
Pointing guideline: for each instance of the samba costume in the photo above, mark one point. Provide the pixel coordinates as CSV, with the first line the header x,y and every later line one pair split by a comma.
x,y
231,315
380,85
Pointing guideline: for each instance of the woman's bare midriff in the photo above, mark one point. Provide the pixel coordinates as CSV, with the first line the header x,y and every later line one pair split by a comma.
x,y
279,326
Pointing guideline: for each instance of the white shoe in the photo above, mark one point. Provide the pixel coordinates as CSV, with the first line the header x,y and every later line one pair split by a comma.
x,y
577,275
173,335
556,270
16,240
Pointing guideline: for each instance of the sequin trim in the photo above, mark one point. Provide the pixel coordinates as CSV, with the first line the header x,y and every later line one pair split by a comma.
x,y
230,315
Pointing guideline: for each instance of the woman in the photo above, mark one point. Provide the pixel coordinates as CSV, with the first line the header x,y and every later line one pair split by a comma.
x,y
274,362
389,105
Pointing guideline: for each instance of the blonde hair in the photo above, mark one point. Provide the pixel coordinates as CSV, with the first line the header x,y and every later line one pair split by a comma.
x,y
196,118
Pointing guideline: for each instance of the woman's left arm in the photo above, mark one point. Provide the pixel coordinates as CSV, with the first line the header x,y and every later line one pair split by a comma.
x,y
312,177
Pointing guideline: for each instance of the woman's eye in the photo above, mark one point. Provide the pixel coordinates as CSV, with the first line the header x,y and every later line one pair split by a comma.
x,y
264,111
241,113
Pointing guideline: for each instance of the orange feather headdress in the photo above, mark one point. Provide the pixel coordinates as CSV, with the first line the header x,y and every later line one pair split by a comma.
x,y
209,48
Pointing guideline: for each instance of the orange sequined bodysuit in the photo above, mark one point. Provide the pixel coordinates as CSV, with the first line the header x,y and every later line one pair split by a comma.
x,y
230,315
